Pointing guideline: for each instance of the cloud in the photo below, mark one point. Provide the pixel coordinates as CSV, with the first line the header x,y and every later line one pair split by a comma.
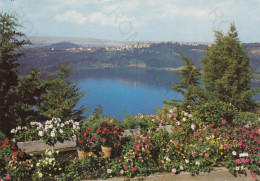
x,y
72,16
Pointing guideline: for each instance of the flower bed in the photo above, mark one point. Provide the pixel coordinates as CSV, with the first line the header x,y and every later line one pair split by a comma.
x,y
174,142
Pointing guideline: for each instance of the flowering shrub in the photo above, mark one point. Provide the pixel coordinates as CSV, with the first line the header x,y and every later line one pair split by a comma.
x,y
20,169
47,167
50,132
77,169
108,134
8,151
85,140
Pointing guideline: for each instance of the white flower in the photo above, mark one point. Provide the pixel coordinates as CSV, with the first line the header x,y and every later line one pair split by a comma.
x,y
122,172
184,119
33,123
187,161
193,126
40,133
13,131
38,164
190,116
76,123
61,131
234,153
197,163
18,128
186,114
109,170
52,134
67,122
13,140
243,154
40,174
71,121
24,128
170,111
50,126
62,125
178,123
237,168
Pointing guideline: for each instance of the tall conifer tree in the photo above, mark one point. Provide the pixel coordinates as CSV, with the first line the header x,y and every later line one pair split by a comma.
x,y
10,42
227,73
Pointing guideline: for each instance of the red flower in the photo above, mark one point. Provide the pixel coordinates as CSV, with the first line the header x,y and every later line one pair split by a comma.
x,y
21,154
98,131
104,140
6,141
125,167
14,154
133,169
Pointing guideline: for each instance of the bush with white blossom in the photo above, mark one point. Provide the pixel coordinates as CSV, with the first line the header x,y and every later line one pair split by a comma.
x,y
50,132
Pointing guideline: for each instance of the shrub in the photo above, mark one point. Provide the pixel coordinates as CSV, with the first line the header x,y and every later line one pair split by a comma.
x,y
214,112
245,118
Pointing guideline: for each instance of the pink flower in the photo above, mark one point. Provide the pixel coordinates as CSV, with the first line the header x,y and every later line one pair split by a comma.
x,y
174,170
138,141
181,167
146,146
8,176
211,134
258,154
109,170
1,180
251,136
217,133
166,123
133,169
201,139
253,175
223,122
197,134
236,122
206,155
238,161
125,167
137,147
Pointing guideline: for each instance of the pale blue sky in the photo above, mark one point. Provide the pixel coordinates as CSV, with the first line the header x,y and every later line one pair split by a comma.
x,y
150,20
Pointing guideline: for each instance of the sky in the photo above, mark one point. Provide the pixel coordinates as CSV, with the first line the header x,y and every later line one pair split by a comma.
x,y
137,20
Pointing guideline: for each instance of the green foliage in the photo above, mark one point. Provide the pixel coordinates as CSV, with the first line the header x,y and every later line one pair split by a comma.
x,y
11,40
60,97
214,113
2,135
29,90
129,121
189,86
226,72
246,118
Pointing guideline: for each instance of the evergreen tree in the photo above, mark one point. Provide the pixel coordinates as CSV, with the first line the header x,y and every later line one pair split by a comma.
x,y
60,98
227,73
189,86
10,42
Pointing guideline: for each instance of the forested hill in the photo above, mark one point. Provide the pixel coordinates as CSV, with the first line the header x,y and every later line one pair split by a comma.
x,y
139,55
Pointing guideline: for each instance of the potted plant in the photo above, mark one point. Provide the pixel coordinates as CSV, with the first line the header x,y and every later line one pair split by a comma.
x,y
109,136
52,134
84,142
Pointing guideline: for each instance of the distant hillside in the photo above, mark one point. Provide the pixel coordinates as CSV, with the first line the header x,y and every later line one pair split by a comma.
x,y
160,56
63,45
83,42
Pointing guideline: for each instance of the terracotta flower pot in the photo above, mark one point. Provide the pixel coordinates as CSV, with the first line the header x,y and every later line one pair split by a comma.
x,y
81,154
106,151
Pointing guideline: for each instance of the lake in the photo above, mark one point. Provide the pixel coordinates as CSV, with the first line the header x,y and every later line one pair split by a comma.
x,y
135,90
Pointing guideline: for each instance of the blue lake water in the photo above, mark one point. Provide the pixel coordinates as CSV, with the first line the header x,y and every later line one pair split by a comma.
x,y
136,91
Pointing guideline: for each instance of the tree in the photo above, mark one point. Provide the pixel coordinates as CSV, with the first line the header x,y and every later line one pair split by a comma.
x,y
189,86
227,73
10,41
60,98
